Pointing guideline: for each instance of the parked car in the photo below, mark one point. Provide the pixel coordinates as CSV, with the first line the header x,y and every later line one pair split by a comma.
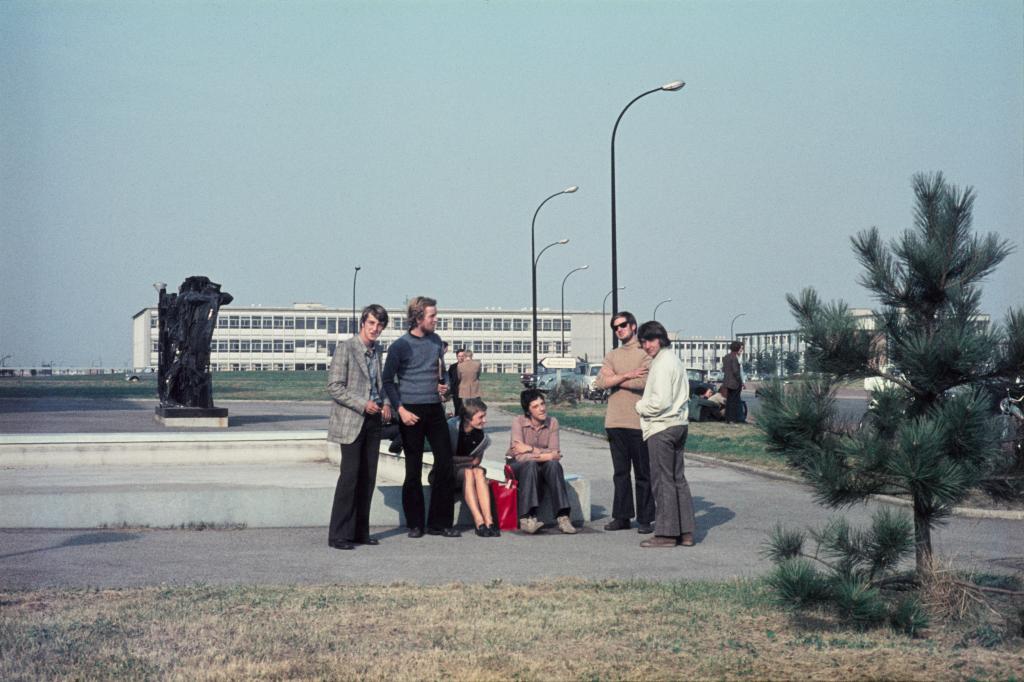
x,y
578,382
698,381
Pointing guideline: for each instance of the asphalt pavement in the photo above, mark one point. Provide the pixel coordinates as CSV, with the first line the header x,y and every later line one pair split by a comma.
x,y
735,511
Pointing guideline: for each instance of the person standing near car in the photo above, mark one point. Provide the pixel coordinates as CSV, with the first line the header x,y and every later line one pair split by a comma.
x,y
357,415
624,374
415,383
733,383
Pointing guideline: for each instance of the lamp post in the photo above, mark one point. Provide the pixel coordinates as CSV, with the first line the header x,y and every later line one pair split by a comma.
x,y
604,336
560,242
668,87
655,316
731,337
582,267
533,263
352,327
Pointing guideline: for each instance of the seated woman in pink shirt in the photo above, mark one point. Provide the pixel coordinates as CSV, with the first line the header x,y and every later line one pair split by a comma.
x,y
536,461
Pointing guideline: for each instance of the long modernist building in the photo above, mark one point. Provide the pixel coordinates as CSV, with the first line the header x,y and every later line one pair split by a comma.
x,y
303,337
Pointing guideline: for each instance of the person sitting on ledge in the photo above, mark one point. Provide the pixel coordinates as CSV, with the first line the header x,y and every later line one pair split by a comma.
x,y
469,442
536,462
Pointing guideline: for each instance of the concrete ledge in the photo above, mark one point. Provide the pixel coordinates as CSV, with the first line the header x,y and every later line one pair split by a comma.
x,y
143,449
393,467
271,479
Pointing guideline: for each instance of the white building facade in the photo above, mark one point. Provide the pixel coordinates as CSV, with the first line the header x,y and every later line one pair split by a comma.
x,y
304,336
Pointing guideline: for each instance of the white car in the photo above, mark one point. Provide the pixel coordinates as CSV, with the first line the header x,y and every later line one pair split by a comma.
x,y
592,372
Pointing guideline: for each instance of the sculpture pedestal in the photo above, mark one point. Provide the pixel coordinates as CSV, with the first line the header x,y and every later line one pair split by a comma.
x,y
206,417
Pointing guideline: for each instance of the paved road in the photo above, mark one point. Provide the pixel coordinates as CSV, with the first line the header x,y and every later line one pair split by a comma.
x,y
735,510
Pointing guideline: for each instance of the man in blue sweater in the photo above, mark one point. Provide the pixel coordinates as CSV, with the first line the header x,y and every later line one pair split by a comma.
x,y
415,381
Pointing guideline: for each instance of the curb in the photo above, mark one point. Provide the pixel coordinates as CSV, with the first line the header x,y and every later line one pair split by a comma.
x,y
964,512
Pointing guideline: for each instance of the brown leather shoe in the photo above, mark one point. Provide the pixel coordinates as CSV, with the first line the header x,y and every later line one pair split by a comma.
x,y
659,541
687,540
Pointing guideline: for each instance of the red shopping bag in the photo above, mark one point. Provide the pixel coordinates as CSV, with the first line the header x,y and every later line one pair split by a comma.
x,y
506,500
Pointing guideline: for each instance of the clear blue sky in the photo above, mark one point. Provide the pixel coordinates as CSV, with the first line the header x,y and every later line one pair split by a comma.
x,y
273,146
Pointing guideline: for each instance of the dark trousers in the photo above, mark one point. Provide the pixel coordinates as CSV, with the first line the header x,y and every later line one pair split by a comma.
x,y
350,514
433,428
733,409
671,491
537,478
457,406
630,451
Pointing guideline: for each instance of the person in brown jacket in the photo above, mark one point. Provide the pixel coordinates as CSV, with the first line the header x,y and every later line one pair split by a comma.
x,y
624,373
469,376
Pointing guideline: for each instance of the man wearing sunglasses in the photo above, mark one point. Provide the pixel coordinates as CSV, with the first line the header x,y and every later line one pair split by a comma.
x,y
624,374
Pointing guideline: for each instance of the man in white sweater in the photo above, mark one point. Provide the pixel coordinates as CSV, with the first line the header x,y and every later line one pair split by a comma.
x,y
663,411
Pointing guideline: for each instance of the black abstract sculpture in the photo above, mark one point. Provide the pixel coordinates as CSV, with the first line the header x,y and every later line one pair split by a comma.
x,y
187,320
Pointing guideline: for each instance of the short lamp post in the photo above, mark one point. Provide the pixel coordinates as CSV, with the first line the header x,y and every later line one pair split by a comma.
x,y
668,87
560,242
582,267
533,264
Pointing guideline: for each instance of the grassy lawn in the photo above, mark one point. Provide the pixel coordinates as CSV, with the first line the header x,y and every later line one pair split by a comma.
x,y
226,386
550,630
733,443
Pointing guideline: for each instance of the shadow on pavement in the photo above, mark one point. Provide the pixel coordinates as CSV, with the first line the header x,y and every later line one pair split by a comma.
x,y
80,540
708,515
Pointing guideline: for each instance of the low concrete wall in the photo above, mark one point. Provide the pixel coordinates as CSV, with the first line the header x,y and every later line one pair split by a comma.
x,y
259,479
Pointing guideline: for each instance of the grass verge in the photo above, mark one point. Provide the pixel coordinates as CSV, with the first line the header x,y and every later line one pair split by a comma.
x,y
742,443
549,630
311,385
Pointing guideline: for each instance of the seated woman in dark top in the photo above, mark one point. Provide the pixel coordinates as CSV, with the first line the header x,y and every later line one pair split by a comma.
x,y
469,443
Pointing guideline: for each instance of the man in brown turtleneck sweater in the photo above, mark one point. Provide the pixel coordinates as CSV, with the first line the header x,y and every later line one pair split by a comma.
x,y
624,374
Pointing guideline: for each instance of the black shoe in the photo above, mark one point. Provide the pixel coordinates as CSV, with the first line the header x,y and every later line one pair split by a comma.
x,y
495,531
645,528
395,448
368,541
617,524
340,545
415,532
483,531
444,532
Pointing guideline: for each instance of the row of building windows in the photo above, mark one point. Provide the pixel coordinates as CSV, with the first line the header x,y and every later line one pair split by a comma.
x,y
323,346
349,325
489,368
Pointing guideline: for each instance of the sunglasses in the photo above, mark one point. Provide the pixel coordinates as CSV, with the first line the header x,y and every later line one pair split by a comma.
x,y
621,325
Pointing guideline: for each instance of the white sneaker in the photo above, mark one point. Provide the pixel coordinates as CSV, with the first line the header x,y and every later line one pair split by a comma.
x,y
565,525
530,525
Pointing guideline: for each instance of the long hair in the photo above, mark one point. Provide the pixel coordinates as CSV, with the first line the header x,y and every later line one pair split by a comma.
x,y
417,310
652,330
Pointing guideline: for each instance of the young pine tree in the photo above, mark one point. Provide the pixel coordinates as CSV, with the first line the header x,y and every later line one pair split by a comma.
x,y
930,436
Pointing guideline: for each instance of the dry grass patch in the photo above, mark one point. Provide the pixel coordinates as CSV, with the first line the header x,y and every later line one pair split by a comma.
x,y
550,630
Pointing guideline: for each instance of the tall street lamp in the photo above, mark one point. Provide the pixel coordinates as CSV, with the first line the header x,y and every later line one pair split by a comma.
x,y
604,333
560,242
533,263
655,316
731,337
582,267
352,327
668,87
